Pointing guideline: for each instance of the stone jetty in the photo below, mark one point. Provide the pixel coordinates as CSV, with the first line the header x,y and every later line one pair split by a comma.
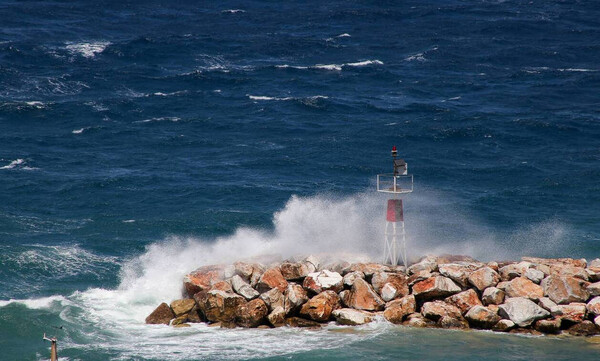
x,y
533,295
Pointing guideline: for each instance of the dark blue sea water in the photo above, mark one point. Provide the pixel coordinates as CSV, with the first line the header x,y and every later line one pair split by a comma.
x,y
139,140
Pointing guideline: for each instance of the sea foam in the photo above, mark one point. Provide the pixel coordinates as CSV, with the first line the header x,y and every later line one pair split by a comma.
x,y
87,49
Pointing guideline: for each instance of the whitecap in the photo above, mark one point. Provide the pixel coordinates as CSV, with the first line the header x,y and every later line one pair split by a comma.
x,y
336,67
15,163
332,67
578,70
36,104
161,94
262,97
87,49
37,303
78,131
416,57
159,119
344,35
128,221
233,11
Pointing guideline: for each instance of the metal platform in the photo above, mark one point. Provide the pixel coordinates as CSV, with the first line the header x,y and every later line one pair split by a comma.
x,y
395,184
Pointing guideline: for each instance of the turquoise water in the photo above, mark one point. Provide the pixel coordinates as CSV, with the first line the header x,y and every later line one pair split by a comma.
x,y
140,140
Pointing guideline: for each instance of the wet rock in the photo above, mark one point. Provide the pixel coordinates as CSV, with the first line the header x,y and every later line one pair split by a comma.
x,y
397,310
534,275
503,326
218,306
483,278
435,287
243,288
482,317
181,307
573,312
272,278
458,272
435,310
182,325
322,281
161,315
352,317
363,297
179,320
273,298
593,307
563,290
597,321
417,320
277,317
492,296
464,300
522,311
451,322
351,276
523,287
301,322
296,296
202,279
195,315
251,314
551,325
585,328
320,307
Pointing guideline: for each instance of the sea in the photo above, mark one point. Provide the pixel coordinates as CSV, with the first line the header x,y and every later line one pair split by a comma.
x,y
140,140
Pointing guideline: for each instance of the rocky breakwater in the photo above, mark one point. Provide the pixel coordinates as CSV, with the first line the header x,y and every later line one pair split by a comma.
x,y
534,295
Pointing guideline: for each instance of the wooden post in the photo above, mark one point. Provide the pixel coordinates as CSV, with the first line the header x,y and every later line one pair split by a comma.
x,y
53,350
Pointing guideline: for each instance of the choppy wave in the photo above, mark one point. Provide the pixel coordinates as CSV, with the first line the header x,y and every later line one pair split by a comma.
x,y
333,67
18,164
263,97
159,119
87,49
161,94
37,303
233,11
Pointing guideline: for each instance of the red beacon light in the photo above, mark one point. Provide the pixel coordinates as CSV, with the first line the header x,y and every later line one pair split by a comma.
x,y
394,151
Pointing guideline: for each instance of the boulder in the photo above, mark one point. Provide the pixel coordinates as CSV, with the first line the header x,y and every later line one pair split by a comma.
x,y
503,326
420,276
295,271
202,279
557,261
350,277
492,296
482,317
458,272
435,287
464,300
563,290
243,288
522,311
594,263
514,270
222,286
179,320
363,297
585,328
550,306
273,298
195,315
296,296
243,270
483,278
390,285
523,287
451,322
551,325
534,275
345,297
594,289
161,315
368,269
593,274
301,322
257,272
320,307
182,325
573,312
318,282
251,314
271,278
435,310
417,320
597,321
593,307
181,307
277,317
397,310
218,306
568,270
428,264
352,317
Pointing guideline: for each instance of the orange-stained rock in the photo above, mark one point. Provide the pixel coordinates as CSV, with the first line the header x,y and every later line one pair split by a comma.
x,y
218,306
397,310
277,317
296,296
251,314
523,287
363,297
464,300
492,296
301,322
513,270
483,278
482,317
435,287
568,270
244,270
552,261
202,279
161,315
593,306
563,290
318,282
573,312
550,325
390,285
222,286
273,298
272,278
319,308
181,307
292,271
458,272
585,328
436,309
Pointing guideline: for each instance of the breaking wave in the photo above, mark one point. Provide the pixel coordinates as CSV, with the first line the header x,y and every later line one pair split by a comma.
x,y
87,49
332,67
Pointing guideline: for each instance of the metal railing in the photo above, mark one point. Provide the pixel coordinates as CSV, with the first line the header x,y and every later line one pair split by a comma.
x,y
390,183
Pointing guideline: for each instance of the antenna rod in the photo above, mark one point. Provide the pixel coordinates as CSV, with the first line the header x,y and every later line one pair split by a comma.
x,y
53,350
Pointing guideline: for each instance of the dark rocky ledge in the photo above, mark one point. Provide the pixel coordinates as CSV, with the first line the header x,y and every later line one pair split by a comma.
x,y
534,295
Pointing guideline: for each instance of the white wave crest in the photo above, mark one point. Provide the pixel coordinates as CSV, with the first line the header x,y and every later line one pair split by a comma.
x,y
14,163
233,11
262,97
37,303
87,49
416,57
332,67
159,119
161,94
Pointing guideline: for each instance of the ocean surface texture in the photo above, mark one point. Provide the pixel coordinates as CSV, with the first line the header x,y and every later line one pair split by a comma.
x,y
142,139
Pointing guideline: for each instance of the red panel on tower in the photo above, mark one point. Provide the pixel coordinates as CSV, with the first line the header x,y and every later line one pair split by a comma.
x,y
394,211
